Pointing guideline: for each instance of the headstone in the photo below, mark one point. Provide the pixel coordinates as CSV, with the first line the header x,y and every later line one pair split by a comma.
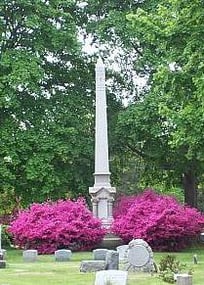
x,y
123,251
112,260
2,252
63,255
202,237
30,255
2,261
0,235
99,253
112,277
140,256
184,279
92,265
195,259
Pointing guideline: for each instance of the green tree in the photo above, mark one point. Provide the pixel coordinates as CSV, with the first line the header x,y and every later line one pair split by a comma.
x,y
46,101
164,125
167,125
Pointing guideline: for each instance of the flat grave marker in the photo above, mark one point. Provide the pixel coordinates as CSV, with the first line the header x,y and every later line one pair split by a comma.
x,y
113,277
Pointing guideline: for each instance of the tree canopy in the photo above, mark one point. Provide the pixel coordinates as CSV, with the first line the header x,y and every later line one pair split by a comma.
x,y
47,101
47,92
164,124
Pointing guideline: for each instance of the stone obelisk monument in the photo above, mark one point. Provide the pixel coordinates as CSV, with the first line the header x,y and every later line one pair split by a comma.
x,y
102,193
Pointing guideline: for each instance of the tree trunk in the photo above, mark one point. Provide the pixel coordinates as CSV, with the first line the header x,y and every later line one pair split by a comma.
x,y
190,188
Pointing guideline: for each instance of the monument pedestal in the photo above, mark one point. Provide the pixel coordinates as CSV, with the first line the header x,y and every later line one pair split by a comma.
x,y
110,241
102,202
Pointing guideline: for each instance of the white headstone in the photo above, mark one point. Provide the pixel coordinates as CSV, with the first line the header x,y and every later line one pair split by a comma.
x,y
63,255
140,255
123,251
30,255
99,253
113,277
184,279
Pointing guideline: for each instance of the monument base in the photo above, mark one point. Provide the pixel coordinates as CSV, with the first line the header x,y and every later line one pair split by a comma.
x,y
110,241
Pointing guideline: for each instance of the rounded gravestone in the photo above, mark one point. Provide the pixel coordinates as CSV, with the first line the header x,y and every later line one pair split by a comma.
x,y
138,256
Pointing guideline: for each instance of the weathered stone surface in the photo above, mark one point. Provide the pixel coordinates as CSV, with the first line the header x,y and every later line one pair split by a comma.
x,y
30,255
92,265
110,241
112,260
63,255
184,279
123,251
2,254
99,253
113,277
102,193
140,256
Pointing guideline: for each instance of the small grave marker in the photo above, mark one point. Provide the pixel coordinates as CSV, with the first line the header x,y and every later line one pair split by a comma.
x,y
0,235
30,255
202,237
123,251
184,279
99,253
112,260
113,277
195,259
2,252
92,265
63,255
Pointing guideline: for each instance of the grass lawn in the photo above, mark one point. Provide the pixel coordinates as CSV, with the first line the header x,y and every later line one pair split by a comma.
x,y
46,271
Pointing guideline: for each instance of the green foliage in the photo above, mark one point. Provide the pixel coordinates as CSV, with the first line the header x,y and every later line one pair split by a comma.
x,y
37,40
46,101
8,202
168,266
6,239
160,40
179,118
171,191
46,120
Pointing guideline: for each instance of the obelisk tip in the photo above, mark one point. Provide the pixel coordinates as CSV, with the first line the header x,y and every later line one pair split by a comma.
x,y
99,62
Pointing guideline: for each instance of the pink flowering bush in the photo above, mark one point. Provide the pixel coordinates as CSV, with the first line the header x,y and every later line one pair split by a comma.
x,y
160,220
54,225
122,204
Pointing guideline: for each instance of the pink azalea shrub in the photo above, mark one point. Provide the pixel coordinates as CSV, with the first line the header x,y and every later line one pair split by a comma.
x,y
160,220
122,204
54,225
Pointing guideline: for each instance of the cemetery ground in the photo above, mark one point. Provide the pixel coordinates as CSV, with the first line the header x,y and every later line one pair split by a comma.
x,y
47,271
